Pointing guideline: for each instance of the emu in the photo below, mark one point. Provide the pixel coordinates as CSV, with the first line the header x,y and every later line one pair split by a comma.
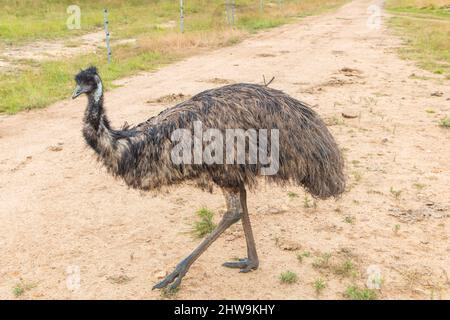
x,y
141,155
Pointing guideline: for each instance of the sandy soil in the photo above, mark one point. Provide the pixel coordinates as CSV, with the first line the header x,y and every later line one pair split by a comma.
x,y
13,56
61,212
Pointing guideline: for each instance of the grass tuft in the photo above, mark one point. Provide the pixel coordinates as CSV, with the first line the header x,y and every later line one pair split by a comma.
x,y
292,195
322,262
169,292
395,193
205,225
21,288
355,293
346,269
288,277
445,123
319,286
349,219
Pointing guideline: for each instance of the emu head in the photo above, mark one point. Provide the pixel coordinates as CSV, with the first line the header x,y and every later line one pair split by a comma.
x,y
88,81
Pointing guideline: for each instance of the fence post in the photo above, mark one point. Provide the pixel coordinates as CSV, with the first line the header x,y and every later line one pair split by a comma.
x,y
108,46
181,17
227,4
232,12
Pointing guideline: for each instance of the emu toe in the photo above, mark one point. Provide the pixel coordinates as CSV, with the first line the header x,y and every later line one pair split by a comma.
x,y
245,265
174,278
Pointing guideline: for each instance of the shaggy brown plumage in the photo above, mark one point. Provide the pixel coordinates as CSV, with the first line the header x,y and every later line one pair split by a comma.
x,y
141,155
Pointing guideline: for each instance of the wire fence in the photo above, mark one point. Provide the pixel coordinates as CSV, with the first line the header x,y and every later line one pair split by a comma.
x,y
230,16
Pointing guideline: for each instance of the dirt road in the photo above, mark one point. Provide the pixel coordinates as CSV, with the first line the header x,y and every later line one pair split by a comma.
x,y
62,215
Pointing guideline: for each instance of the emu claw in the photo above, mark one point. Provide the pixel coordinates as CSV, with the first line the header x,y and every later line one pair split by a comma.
x,y
245,265
174,278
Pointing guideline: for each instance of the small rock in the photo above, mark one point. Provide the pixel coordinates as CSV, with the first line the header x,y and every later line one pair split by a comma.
x,y
119,279
288,245
437,94
349,115
274,211
55,148
160,274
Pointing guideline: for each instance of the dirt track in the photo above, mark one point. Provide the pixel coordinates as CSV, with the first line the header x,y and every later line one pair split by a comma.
x,y
60,210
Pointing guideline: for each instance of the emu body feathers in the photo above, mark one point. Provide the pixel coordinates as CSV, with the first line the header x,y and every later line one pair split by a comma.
x,y
308,154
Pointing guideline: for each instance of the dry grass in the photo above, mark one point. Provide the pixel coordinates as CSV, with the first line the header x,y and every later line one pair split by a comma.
x,y
205,28
418,3
425,26
185,44
44,19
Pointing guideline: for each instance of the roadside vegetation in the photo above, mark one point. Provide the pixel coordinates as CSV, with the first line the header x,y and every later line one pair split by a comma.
x,y
425,26
152,25
205,223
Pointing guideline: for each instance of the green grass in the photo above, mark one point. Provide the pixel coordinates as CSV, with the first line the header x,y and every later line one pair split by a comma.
x,y
322,262
355,293
425,26
54,80
306,254
302,255
292,195
419,7
345,269
308,203
27,20
395,193
319,285
18,290
349,219
205,225
21,288
419,186
38,84
288,277
357,176
169,292
445,123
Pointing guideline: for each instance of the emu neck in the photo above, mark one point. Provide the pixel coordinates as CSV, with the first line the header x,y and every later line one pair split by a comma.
x,y
95,113
96,130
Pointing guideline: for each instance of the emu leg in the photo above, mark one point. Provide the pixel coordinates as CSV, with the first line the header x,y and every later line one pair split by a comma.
x,y
230,217
251,262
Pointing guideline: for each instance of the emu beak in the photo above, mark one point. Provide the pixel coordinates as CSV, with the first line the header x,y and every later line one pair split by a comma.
x,y
78,90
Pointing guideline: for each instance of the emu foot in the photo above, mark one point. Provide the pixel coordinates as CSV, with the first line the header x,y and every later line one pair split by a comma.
x,y
174,278
246,265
